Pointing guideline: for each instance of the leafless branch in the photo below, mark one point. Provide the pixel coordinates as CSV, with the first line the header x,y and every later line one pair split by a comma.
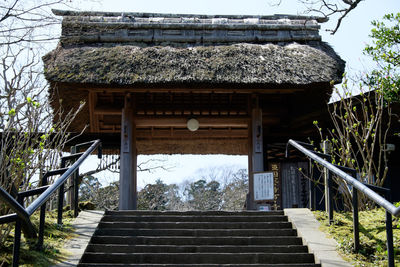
x,y
31,140
142,167
330,8
8,11
344,14
160,166
101,168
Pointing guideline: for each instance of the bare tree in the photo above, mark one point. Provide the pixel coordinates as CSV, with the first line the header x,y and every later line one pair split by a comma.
x,y
219,188
358,139
94,192
330,8
150,165
235,191
338,9
31,137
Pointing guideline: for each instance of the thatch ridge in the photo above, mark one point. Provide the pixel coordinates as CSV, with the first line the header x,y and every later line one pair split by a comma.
x,y
175,29
293,63
59,12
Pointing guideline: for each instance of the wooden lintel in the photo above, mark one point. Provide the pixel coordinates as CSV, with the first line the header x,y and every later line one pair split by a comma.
x,y
149,133
186,134
117,111
199,90
145,121
109,125
107,111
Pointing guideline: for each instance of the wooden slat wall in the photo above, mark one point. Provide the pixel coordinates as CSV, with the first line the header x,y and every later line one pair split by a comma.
x,y
294,185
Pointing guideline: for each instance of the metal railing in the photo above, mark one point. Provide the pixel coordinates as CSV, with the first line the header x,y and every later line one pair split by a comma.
x,y
370,191
21,215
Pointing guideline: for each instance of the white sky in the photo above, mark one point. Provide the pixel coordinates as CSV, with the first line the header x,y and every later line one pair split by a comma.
x,y
348,42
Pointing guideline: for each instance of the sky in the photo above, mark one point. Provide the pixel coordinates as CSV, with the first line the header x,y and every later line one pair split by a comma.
x,y
348,42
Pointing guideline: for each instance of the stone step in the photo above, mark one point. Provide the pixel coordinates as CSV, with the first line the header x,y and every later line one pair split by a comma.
x,y
193,213
204,258
194,232
194,249
196,239
186,218
197,225
196,265
173,240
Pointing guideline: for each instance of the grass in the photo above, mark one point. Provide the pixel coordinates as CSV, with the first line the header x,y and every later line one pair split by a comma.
x,y
372,236
54,238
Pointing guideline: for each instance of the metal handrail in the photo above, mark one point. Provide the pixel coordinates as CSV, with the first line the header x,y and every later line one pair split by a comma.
x,y
22,215
367,189
29,229
349,179
56,185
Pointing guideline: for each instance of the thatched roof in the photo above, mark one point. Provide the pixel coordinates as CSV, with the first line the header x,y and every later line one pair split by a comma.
x,y
292,64
159,49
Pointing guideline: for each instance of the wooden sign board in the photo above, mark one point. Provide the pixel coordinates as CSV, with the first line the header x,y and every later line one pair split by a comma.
x,y
263,186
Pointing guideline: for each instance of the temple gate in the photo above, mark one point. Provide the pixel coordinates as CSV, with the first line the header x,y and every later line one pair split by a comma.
x,y
193,84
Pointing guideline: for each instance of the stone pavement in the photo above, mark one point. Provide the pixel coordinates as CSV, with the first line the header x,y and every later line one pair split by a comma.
x,y
324,248
85,225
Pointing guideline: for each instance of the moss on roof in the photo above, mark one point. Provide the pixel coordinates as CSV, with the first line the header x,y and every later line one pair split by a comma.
x,y
296,64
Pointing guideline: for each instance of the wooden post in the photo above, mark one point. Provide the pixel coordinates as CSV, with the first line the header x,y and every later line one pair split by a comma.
x,y
128,161
256,155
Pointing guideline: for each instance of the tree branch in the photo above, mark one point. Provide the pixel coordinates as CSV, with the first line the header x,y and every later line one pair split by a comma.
x,y
339,21
329,8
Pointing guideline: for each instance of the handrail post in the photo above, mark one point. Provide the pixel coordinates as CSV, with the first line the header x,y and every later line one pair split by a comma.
x,y
60,204
311,187
75,186
310,194
42,219
76,194
60,198
356,228
330,197
389,234
17,236
328,184
17,242
389,237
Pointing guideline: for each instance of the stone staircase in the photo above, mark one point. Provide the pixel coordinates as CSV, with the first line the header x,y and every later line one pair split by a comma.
x,y
196,239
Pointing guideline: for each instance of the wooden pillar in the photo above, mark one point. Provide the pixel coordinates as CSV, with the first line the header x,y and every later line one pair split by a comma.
x,y
256,155
128,161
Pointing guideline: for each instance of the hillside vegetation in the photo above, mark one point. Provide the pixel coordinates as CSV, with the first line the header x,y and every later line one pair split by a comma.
x,y
372,236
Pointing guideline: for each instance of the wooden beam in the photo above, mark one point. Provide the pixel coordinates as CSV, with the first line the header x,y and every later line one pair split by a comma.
x,y
151,132
256,155
204,90
93,116
128,160
170,111
107,111
181,122
109,125
186,134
